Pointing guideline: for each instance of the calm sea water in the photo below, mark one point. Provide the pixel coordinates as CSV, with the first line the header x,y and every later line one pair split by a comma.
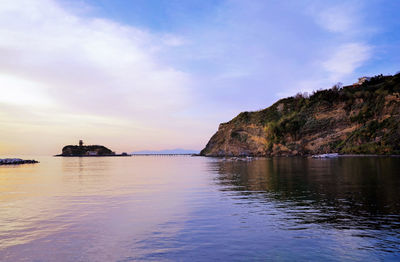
x,y
200,209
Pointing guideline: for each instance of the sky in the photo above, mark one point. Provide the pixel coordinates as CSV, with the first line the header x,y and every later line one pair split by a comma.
x,y
158,74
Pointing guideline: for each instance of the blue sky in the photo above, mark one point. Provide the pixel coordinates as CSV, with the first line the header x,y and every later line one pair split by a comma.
x,y
240,40
149,74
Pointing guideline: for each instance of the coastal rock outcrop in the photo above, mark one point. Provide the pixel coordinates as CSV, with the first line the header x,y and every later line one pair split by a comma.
x,y
363,118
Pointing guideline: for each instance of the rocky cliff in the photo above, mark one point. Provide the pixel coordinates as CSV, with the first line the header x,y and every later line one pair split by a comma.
x,y
357,119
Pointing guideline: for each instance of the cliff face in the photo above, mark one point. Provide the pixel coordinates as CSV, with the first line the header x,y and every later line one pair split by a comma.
x,y
359,119
94,150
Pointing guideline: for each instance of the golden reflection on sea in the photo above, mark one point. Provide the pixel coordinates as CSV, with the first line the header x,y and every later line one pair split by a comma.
x,y
62,195
195,208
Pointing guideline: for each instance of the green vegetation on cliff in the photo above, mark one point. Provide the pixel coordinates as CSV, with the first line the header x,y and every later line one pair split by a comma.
x,y
357,119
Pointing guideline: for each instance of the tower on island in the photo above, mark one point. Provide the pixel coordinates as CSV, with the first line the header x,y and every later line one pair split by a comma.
x,y
81,150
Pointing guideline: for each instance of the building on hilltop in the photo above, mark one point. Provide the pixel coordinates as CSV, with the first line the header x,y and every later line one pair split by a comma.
x,y
362,80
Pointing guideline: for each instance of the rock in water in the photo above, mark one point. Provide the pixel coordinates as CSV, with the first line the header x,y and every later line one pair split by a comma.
x,y
332,155
16,161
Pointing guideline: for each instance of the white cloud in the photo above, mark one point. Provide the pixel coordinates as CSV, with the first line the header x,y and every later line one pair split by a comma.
x,y
338,19
339,66
344,17
17,91
67,76
346,59
88,64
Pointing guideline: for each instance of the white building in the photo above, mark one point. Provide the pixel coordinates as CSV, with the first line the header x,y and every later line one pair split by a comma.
x,y
91,153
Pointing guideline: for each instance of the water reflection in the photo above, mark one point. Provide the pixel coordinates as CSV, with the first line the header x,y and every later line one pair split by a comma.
x,y
344,193
89,209
180,208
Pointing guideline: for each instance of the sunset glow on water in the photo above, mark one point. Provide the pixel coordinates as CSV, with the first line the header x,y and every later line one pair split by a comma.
x,y
195,208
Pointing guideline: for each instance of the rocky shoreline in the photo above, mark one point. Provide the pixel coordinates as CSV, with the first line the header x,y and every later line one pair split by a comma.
x,y
16,161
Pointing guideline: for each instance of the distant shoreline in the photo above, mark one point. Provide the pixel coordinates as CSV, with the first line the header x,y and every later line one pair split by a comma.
x,y
123,155
163,154
298,156
265,156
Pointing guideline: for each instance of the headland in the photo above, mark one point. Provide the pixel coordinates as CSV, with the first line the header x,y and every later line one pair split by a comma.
x,y
359,119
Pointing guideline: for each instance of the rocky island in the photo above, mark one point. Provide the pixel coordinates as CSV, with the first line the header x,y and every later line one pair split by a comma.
x,y
87,151
363,118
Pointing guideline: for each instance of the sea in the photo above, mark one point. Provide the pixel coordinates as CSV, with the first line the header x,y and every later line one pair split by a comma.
x,y
183,208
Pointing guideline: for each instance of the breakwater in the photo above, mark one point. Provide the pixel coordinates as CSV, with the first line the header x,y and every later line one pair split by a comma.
x,y
16,161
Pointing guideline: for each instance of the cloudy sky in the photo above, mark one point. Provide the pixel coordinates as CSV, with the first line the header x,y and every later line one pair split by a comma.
x,y
156,74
